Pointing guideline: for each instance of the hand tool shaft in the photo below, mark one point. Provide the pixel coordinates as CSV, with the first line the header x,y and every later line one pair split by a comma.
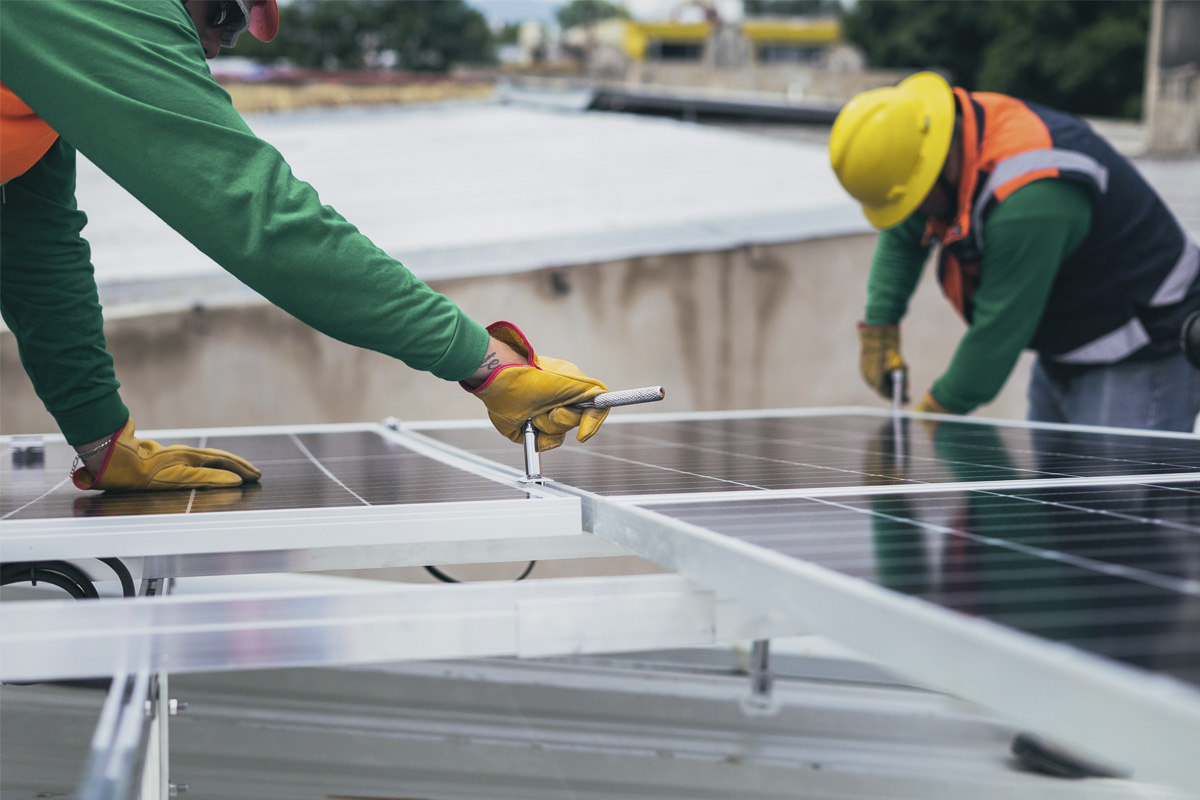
x,y
624,397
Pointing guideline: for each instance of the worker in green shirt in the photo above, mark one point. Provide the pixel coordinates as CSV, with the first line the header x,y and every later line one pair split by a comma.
x,y
1047,239
127,85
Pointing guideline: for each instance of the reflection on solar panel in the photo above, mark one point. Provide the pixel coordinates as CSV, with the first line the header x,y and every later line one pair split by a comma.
x,y
838,451
1111,570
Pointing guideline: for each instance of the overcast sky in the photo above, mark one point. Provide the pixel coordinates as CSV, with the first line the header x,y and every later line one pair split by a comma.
x,y
505,11
500,12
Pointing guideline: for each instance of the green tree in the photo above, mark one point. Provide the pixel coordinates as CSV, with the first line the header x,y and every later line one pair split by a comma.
x,y
792,8
1083,56
509,34
426,35
585,12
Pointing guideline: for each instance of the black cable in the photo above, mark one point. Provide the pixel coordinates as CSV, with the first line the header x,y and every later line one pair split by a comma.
x,y
56,573
74,582
33,575
444,578
1189,339
117,566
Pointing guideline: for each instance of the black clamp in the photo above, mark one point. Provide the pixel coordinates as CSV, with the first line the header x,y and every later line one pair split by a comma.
x,y
1189,338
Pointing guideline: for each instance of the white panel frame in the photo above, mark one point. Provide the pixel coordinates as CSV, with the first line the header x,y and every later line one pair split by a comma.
x,y
176,545
536,528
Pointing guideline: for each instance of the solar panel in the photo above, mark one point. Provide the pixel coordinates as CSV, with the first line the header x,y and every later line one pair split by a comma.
x,y
1112,570
301,470
1051,572
340,497
1025,539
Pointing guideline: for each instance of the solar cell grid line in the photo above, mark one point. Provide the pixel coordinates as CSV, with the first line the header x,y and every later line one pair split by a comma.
x,y
681,455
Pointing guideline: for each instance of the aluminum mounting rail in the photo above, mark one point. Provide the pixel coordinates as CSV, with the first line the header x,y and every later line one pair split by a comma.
x,y
368,623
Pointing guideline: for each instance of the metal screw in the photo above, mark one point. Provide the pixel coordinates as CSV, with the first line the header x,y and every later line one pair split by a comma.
x,y
176,789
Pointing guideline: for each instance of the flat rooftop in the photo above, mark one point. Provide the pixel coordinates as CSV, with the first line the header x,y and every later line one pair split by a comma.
x,y
475,189
467,189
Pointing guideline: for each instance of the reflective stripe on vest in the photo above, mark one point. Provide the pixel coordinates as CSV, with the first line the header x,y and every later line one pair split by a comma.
x,y
1024,168
26,136
1111,347
1182,276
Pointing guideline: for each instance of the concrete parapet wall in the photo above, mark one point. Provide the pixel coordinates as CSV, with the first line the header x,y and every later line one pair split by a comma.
x,y
758,327
1172,94
796,82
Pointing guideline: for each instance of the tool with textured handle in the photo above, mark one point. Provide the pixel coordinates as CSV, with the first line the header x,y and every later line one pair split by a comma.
x,y
625,397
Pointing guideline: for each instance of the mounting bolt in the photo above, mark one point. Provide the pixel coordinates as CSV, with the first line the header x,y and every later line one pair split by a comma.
x,y
176,789
174,706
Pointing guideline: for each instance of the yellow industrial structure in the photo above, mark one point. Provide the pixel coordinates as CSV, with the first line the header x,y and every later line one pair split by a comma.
x,y
770,39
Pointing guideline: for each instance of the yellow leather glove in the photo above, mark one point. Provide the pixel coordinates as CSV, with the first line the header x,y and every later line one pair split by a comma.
x,y
880,357
928,405
543,389
134,464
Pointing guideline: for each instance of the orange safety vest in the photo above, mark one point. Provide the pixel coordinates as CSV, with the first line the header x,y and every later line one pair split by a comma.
x,y
25,136
1125,290
1017,129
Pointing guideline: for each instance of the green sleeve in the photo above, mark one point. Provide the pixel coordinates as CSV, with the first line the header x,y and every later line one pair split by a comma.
x,y
49,300
128,86
895,270
1025,240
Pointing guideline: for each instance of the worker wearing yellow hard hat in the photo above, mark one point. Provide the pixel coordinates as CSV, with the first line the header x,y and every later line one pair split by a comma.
x,y
1047,239
888,146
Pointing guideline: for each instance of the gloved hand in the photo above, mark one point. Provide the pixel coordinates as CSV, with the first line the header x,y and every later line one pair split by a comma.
x,y
134,464
880,357
928,405
542,389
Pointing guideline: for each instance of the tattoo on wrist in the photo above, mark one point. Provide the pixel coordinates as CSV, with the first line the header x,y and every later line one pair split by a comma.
x,y
490,362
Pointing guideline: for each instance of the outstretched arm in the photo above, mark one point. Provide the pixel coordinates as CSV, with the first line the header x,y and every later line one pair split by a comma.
x,y
1026,240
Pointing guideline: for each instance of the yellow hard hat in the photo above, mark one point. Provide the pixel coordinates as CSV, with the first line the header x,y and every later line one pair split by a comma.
x,y
888,145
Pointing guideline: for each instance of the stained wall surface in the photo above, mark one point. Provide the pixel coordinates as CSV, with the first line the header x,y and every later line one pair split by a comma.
x,y
769,326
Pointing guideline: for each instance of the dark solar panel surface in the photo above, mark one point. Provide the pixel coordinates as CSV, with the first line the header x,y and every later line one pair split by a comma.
x,y
1114,570
1111,569
845,450
300,471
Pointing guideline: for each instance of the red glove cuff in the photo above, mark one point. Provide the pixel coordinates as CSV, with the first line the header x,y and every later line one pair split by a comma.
x,y
511,335
112,445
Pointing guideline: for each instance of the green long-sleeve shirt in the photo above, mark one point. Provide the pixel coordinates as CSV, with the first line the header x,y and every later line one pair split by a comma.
x,y
127,85
1026,239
